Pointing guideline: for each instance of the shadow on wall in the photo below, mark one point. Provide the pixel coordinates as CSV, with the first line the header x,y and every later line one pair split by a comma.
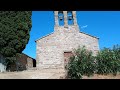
x,y
34,63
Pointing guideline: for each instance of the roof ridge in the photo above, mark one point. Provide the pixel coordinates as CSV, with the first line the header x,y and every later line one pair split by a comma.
x,y
44,36
89,35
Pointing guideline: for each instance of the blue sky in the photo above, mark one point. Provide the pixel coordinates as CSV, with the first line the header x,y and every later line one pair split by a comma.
x,y
102,24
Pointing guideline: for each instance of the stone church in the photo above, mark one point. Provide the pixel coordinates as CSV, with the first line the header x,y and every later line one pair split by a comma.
x,y
54,49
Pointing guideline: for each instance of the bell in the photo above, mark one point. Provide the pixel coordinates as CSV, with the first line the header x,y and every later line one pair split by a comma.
x,y
60,17
70,17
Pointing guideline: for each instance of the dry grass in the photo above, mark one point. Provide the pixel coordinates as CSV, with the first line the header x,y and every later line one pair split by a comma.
x,y
96,76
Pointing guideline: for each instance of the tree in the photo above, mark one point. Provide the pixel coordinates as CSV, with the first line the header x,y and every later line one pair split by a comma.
x,y
15,29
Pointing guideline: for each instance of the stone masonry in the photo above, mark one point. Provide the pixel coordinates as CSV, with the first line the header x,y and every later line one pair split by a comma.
x,y
50,48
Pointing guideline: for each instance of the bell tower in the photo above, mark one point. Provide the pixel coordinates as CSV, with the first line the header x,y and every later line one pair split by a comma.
x,y
65,19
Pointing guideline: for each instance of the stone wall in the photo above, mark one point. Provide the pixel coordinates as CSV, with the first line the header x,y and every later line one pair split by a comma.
x,y
24,63
51,48
2,64
30,63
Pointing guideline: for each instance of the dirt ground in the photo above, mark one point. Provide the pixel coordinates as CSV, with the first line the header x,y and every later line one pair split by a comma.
x,y
48,74
34,74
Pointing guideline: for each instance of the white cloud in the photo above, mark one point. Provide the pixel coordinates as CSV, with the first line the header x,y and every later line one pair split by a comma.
x,y
84,26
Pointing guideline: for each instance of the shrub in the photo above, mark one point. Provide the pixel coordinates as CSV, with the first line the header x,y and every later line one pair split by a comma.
x,y
116,50
108,61
82,63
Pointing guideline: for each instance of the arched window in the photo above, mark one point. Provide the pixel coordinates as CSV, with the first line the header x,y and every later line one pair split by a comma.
x,y
61,18
70,18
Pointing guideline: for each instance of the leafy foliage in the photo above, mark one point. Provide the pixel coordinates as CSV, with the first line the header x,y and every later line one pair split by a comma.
x,y
15,29
82,63
116,50
108,60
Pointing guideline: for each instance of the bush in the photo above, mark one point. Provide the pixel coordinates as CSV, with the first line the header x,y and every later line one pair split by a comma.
x,y
82,63
108,61
116,50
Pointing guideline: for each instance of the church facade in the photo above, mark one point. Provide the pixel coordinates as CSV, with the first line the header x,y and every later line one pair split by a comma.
x,y
53,49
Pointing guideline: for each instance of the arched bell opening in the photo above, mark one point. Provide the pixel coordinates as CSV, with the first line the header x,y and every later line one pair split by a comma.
x,y
70,18
61,18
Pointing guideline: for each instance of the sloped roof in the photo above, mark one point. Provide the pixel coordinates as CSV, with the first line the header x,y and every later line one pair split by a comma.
x,y
44,36
53,32
28,56
89,35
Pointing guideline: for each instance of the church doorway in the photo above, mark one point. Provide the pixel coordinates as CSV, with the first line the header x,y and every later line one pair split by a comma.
x,y
67,55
